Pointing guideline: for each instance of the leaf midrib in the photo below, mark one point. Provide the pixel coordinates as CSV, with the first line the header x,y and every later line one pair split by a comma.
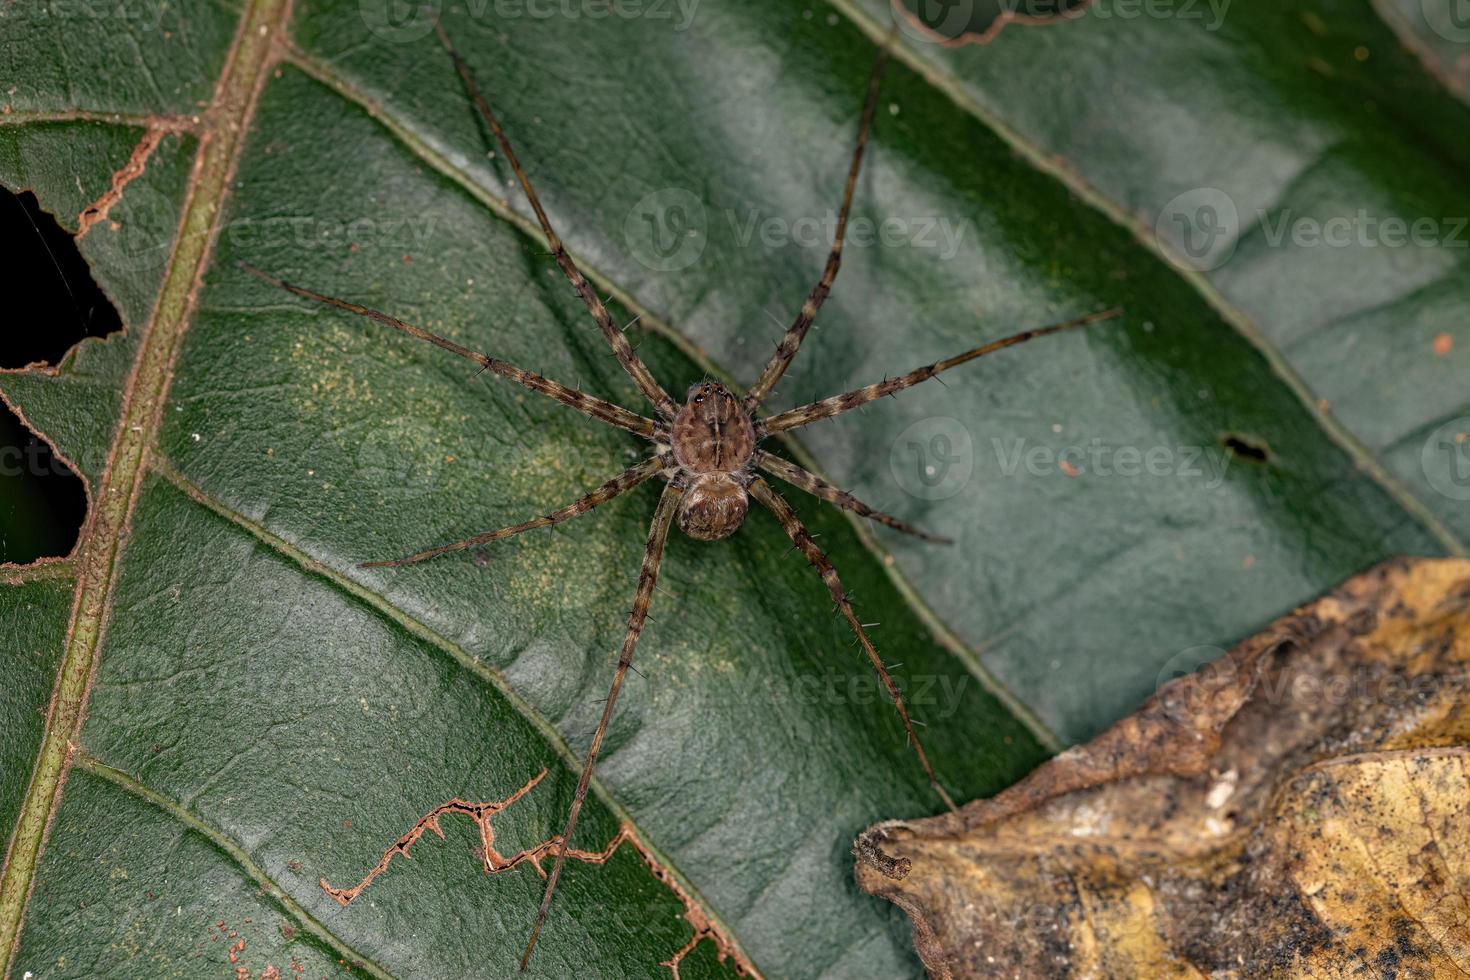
x,y
101,543
175,307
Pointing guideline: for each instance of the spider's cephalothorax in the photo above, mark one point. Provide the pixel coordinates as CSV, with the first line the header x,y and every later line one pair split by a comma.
x,y
707,450
713,441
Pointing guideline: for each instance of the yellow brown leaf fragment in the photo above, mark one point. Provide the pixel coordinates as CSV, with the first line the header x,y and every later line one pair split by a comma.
x,y
1298,808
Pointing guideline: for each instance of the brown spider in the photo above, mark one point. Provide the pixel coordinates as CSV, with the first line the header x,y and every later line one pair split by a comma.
x,y
707,450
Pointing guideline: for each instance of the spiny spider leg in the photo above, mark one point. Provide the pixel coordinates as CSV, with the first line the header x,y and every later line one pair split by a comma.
x,y
791,342
658,532
818,487
837,404
593,408
619,484
630,361
801,537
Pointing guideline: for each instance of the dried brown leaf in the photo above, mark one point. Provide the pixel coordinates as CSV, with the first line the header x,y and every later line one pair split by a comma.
x,y
1300,807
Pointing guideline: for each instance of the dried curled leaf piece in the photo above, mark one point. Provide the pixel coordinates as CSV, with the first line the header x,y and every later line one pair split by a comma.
x,y
1300,807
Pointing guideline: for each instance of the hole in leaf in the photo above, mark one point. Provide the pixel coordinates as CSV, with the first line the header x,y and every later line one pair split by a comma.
x,y
1246,448
42,502
64,303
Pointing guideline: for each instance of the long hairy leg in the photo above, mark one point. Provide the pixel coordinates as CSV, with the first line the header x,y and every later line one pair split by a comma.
x,y
658,532
791,342
630,361
801,537
593,408
837,404
617,486
818,487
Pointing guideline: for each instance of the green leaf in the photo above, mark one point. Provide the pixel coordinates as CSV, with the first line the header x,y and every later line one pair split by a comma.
x,y
1283,142
242,711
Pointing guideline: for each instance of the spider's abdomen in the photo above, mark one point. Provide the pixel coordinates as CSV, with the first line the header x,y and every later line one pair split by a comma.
x,y
712,433
714,508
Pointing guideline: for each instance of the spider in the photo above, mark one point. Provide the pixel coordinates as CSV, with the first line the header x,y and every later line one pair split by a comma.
x,y
707,450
